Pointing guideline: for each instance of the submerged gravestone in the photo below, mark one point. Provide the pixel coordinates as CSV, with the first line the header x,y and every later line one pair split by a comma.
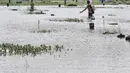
x,y
7,4
127,38
59,5
52,14
91,26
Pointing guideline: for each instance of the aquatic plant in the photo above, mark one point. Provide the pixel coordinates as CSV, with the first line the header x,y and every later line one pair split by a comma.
x,y
68,20
127,38
41,31
107,32
72,4
23,50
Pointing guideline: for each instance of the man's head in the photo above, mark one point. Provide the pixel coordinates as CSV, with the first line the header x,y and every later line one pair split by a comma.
x,y
88,2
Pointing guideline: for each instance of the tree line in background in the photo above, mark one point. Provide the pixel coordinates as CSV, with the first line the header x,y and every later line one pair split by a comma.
x,y
43,2
63,2
121,2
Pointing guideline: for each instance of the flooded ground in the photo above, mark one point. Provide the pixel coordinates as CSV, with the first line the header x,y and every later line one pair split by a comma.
x,y
88,51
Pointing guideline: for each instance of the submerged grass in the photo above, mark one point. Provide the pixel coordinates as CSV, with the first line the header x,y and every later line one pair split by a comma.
x,y
23,50
107,32
68,20
42,31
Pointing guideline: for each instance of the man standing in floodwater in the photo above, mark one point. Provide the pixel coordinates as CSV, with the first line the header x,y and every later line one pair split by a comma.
x,y
90,10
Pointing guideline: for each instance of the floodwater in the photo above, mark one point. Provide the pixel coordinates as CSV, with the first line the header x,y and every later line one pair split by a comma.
x,y
92,51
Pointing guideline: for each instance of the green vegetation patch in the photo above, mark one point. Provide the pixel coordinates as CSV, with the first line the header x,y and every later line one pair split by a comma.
x,y
23,50
69,20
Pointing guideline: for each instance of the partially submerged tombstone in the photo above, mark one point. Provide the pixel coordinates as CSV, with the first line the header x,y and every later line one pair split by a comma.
x,y
59,5
127,38
7,4
91,26
111,28
52,14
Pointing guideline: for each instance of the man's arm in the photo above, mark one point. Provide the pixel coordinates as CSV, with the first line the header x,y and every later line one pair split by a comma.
x,y
84,9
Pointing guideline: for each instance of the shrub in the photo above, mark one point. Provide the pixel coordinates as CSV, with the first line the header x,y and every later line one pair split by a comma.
x,y
128,2
72,5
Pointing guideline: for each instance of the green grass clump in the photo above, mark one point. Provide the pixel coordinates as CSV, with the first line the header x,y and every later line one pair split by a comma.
x,y
23,50
74,20
69,20
107,32
42,31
